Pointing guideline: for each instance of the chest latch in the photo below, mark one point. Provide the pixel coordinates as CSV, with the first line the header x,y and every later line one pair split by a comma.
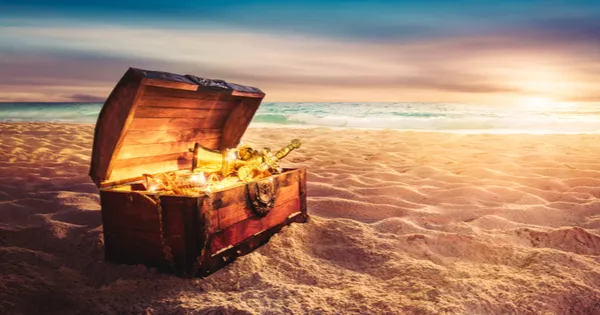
x,y
262,195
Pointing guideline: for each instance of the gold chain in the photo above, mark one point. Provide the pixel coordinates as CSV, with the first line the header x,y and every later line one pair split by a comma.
x,y
164,240
206,218
166,249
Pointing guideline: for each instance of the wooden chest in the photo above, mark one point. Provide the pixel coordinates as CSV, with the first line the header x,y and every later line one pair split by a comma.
x,y
148,124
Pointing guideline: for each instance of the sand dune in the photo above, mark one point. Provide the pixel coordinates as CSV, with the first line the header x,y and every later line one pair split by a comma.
x,y
402,223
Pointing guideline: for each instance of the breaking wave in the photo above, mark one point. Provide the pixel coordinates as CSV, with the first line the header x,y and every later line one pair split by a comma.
x,y
402,116
427,117
50,112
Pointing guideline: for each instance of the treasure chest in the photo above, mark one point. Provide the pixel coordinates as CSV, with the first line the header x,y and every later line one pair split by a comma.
x,y
157,123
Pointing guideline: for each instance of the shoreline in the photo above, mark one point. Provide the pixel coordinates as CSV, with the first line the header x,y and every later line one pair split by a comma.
x,y
311,127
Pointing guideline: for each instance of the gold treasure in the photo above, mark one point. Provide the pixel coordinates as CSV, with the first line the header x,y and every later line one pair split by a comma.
x,y
244,162
213,170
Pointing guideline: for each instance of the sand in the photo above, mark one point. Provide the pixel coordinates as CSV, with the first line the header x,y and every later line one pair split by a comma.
x,y
402,223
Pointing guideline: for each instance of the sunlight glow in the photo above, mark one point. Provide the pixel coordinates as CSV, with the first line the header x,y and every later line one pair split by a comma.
x,y
537,103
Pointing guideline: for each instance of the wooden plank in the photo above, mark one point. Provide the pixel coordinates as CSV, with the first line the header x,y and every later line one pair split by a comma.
x,y
170,84
248,94
184,102
245,229
125,246
148,150
113,120
237,212
164,136
302,187
172,157
232,196
238,122
126,126
209,122
174,112
175,213
177,245
180,217
134,171
108,184
129,210
133,168
212,263
154,91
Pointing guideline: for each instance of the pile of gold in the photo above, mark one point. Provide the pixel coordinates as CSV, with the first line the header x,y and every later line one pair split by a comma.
x,y
215,170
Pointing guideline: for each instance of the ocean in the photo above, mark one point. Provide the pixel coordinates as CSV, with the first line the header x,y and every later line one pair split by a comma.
x,y
448,117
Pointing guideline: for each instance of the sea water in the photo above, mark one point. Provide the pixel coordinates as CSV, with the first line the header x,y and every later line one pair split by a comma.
x,y
462,118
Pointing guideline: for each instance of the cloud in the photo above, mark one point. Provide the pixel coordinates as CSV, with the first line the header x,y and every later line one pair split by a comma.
x,y
58,68
424,81
589,97
355,20
89,60
566,30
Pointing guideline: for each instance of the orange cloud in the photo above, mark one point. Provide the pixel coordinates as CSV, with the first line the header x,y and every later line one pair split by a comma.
x,y
481,69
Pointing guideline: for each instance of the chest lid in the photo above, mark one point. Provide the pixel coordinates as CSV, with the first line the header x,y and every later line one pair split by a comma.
x,y
151,119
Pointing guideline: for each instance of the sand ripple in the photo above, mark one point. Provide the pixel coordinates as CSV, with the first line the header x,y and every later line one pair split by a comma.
x,y
402,223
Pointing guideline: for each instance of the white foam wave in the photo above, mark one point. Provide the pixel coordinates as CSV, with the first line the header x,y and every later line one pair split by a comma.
x,y
458,118
464,124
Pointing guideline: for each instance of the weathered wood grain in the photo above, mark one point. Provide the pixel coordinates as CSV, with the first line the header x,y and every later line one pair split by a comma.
x,y
181,218
186,102
148,150
133,226
214,262
232,205
151,121
125,246
129,210
181,108
175,212
237,212
165,136
248,94
238,122
153,91
174,112
172,157
302,192
114,117
134,168
207,122
246,228
170,84
235,195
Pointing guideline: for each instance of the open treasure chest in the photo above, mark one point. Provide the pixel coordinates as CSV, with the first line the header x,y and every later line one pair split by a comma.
x,y
177,189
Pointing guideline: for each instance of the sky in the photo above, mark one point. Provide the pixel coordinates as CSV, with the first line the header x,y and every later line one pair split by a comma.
x,y
484,52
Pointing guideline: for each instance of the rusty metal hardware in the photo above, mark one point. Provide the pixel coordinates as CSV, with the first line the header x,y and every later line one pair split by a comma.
x,y
262,195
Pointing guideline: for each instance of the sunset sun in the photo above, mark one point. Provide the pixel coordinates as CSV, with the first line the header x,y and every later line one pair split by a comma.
x,y
537,103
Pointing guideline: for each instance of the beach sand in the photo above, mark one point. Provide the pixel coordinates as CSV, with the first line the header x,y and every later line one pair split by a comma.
x,y
401,223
